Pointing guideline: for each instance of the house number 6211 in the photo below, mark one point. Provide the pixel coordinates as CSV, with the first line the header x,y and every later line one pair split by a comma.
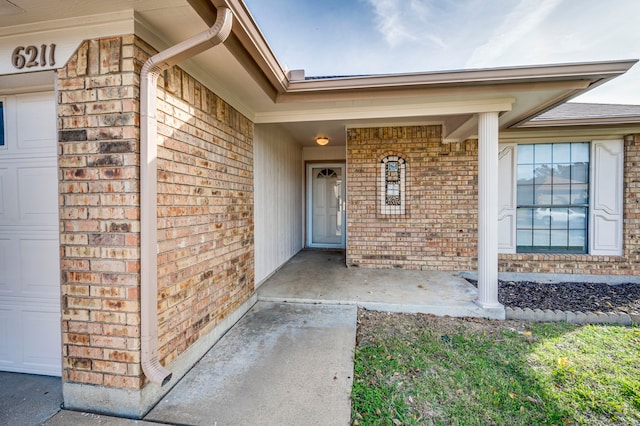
x,y
33,56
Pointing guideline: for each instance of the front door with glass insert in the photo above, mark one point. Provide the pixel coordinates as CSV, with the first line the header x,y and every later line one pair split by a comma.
x,y
326,205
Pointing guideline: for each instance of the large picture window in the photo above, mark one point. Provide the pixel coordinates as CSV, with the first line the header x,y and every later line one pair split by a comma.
x,y
561,197
552,197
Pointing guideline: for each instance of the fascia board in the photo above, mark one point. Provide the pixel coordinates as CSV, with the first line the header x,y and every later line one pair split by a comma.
x,y
252,39
570,122
591,71
359,112
441,92
567,134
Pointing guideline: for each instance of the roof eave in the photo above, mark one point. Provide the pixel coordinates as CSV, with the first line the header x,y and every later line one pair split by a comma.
x,y
247,44
607,121
250,39
594,71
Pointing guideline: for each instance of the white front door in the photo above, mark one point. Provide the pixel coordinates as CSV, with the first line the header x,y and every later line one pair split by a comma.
x,y
326,205
30,336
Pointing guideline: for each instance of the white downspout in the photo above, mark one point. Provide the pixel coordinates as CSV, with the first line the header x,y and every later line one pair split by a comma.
x,y
215,35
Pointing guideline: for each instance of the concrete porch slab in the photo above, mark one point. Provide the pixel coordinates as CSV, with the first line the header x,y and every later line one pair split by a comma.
x,y
320,276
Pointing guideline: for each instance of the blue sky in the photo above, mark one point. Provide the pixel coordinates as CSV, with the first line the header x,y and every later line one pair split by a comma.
x,y
353,37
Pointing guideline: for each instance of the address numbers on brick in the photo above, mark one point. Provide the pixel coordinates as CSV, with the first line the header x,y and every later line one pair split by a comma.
x,y
34,56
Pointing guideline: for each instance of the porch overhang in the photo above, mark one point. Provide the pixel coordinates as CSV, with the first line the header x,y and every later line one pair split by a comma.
x,y
367,110
271,95
247,75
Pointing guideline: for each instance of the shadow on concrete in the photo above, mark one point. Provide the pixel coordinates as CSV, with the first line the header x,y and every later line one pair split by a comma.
x,y
27,399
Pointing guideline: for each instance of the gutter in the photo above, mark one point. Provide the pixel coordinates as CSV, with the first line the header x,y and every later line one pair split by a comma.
x,y
151,70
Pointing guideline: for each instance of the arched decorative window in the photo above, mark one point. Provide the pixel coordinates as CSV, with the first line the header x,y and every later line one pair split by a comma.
x,y
326,173
392,185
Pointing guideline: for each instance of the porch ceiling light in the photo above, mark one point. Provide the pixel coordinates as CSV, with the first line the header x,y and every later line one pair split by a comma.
x,y
322,140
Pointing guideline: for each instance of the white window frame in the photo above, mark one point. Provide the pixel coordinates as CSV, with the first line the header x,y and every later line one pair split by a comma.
x,y
606,194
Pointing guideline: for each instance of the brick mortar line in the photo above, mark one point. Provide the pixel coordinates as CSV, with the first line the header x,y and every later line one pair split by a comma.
x,y
549,315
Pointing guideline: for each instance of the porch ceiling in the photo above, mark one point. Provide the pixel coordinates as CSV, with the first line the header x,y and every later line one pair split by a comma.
x,y
246,74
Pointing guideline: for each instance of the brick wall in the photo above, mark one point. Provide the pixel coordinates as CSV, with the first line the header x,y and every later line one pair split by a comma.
x,y
98,124
627,264
205,223
205,211
439,228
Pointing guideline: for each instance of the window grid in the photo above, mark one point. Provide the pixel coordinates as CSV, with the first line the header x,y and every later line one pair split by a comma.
x,y
553,199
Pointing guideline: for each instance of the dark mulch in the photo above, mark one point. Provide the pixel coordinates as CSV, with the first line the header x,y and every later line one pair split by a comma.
x,y
583,297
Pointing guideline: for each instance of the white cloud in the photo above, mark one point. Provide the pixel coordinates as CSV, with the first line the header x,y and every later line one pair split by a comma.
x,y
388,21
402,36
400,21
527,17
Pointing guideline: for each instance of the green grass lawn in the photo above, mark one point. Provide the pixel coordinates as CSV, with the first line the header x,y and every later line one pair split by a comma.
x,y
419,369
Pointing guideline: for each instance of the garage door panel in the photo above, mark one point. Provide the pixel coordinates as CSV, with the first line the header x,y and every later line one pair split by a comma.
x,y
42,348
8,325
28,192
6,272
30,339
37,194
36,123
4,193
39,267
29,237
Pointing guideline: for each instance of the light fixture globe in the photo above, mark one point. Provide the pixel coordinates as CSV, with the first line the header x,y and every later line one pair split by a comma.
x,y
322,140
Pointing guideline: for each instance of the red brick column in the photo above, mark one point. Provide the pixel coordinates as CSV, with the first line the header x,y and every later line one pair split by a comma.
x,y
205,214
99,211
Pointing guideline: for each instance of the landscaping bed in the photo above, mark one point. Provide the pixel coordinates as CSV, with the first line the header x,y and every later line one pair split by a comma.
x,y
568,296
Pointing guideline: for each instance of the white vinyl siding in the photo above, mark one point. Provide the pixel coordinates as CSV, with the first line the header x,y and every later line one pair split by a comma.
x,y
278,199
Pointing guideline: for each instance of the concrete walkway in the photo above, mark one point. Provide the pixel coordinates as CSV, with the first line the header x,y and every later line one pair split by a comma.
x,y
316,276
281,364
289,360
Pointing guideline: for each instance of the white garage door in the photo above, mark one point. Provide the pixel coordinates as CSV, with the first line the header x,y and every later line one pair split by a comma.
x,y
29,254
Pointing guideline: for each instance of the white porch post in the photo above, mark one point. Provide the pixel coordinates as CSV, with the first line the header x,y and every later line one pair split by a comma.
x,y
488,210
